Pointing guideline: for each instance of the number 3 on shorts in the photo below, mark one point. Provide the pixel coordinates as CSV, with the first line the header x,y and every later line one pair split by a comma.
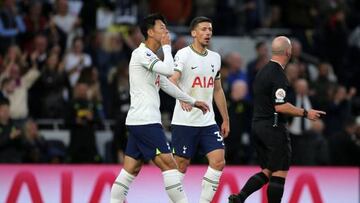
x,y
220,138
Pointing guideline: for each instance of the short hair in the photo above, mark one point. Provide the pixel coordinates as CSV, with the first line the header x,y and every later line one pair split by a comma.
x,y
198,20
5,81
4,101
259,44
149,22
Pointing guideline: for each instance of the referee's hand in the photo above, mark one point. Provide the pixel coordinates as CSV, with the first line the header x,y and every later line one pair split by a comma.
x,y
315,114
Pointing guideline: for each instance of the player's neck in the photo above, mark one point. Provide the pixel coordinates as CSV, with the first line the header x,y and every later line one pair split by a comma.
x,y
279,60
198,47
152,45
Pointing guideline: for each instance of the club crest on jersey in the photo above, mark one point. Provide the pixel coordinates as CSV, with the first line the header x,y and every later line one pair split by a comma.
x,y
147,53
203,82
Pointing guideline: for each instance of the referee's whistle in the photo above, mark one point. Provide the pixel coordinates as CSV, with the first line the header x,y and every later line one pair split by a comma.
x,y
275,119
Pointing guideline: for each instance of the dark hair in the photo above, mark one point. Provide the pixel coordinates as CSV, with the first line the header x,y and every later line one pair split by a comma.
x,y
259,44
149,22
4,101
198,20
6,81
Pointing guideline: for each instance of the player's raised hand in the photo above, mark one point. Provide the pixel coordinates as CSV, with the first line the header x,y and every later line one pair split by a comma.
x,y
165,38
185,106
202,106
315,114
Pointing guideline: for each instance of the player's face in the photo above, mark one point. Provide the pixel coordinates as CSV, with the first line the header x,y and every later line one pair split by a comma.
x,y
158,30
203,33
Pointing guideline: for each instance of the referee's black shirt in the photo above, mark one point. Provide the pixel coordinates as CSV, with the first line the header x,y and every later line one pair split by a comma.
x,y
270,88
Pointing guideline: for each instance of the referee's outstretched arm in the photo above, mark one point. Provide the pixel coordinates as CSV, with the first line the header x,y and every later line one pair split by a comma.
x,y
292,110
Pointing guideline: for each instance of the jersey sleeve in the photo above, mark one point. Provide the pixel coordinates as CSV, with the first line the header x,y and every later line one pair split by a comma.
x,y
147,59
180,59
150,61
279,89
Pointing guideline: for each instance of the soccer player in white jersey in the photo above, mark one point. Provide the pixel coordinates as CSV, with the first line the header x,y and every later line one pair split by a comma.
x,y
197,72
147,140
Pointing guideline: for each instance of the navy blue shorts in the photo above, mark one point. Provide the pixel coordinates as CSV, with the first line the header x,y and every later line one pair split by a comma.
x,y
146,141
186,140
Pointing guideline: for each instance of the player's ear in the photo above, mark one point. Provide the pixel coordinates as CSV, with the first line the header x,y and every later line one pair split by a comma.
x,y
150,32
193,33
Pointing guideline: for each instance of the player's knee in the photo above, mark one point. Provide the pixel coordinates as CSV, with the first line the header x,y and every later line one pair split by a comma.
x,y
218,164
182,166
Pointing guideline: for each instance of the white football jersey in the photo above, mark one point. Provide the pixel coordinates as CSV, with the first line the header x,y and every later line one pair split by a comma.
x,y
144,88
198,75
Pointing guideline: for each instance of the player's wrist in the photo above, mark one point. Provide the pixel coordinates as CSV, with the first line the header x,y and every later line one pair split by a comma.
x,y
166,48
305,113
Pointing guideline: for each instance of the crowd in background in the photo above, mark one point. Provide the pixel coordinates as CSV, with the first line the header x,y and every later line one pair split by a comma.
x,y
68,59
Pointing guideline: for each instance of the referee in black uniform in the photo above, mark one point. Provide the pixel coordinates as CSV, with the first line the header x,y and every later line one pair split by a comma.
x,y
271,137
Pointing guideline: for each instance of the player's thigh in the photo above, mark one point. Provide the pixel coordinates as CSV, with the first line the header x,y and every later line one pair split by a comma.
x,y
211,140
185,140
131,165
132,150
151,140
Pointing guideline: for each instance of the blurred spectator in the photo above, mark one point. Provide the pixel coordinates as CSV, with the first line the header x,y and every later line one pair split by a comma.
x,y
204,8
176,12
303,100
82,121
332,38
344,147
35,23
306,68
235,67
292,74
179,43
120,104
63,18
14,56
40,49
11,25
7,87
76,60
325,81
88,14
311,149
338,109
54,83
19,98
10,137
66,21
126,11
35,146
238,146
262,57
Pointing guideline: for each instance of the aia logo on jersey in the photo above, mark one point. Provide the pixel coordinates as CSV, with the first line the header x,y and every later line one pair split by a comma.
x,y
157,81
203,82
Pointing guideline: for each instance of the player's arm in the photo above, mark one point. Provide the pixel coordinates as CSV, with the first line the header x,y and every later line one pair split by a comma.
x,y
165,67
172,90
220,101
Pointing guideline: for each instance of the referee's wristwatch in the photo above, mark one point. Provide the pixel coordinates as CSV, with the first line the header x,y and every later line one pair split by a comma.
x,y
305,113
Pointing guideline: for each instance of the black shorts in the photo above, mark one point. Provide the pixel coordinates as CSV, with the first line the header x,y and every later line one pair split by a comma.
x,y
272,145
